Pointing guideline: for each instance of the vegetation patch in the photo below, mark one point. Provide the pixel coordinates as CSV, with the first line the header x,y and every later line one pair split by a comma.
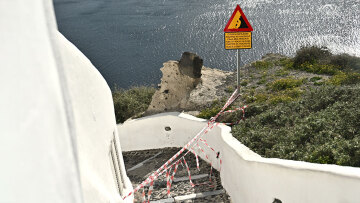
x,y
311,55
229,89
317,68
314,79
282,72
320,60
211,111
322,127
128,103
262,65
285,83
345,78
346,61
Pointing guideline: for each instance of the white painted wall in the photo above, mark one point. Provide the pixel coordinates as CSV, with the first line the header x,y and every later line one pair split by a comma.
x,y
94,118
246,176
56,114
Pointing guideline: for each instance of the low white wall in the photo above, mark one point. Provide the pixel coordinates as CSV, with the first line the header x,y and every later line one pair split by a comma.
x,y
245,175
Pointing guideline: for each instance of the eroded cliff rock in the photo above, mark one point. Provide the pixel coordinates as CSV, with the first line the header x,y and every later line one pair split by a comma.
x,y
187,85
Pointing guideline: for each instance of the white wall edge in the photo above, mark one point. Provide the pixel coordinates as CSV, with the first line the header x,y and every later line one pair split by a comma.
x,y
246,176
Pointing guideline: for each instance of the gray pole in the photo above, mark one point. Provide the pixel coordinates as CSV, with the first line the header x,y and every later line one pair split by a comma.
x,y
238,70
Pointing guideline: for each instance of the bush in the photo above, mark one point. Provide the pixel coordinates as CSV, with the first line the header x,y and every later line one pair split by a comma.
x,y
286,63
311,55
314,79
128,103
346,61
285,83
229,89
244,83
321,127
345,78
282,72
319,68
262,65
211,111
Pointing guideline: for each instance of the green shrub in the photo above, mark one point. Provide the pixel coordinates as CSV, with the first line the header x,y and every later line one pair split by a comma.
x,y
319,83
261,97
346,61
211,111
311,55
262,81
285,83
319,68
314,79
280,99
286,63
244,83
282,72
128,103
262,65
229,89
345,78
321,127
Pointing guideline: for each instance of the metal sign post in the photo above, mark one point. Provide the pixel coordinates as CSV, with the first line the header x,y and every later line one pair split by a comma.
x,y
238,70
238,36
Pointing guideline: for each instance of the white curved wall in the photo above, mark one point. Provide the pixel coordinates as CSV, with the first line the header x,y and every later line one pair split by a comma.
x,y
94,118
245,175
38,161
56,114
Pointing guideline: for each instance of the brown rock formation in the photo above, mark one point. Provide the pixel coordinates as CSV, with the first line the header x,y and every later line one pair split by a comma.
x,y
179,79
188,85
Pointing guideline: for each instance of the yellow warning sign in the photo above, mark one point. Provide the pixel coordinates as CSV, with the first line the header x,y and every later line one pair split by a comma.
x,y
238,40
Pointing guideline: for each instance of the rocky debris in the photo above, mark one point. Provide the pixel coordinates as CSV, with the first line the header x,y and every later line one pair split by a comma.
x,y
179,188
213,83
187,85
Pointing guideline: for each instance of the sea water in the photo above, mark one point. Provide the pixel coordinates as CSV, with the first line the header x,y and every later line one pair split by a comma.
x,y
128,40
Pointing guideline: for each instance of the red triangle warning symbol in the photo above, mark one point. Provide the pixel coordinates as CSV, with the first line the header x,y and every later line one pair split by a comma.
x,y
238,22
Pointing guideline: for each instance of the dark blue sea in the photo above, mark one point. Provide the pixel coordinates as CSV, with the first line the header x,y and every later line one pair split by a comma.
x,y
128,40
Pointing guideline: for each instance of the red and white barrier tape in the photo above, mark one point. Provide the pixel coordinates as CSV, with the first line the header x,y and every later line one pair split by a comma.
x,y
234,110
143,195
204,141
172,178
161,170
197,159
217,153
150,190
206,156
168,179
188,170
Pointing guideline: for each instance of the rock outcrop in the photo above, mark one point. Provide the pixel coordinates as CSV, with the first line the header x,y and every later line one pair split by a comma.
x,y
179,79
187,85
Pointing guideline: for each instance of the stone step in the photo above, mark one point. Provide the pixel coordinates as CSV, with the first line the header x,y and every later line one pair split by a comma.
x,y
190,197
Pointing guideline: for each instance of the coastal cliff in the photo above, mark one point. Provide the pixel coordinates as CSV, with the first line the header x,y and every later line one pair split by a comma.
x,y
302,108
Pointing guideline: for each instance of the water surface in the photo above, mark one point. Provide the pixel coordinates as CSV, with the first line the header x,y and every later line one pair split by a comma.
x,y
128,40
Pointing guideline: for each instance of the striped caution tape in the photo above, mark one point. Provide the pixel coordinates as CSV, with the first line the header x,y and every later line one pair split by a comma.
x,y
234,110
212,149
204,141
161,170
188,170
172,178
143,195
197,159
150,190
168,180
